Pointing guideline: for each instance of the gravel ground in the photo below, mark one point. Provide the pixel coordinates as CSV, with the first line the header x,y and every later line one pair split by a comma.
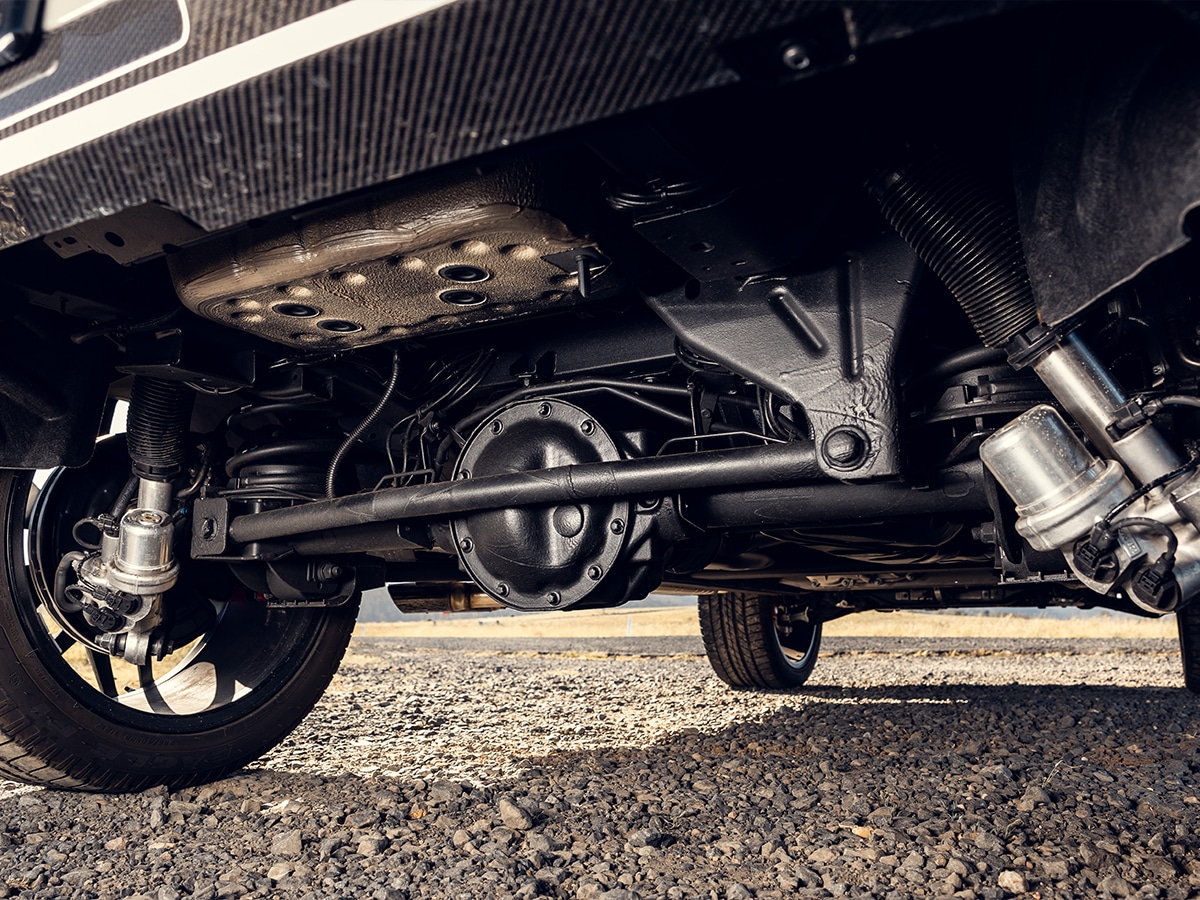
x,y
622,768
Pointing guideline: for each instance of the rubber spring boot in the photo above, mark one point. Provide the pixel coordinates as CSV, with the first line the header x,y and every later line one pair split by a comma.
x,y
156,427
965,229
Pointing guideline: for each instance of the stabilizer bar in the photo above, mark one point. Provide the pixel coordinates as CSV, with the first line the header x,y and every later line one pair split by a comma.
x,y
740,467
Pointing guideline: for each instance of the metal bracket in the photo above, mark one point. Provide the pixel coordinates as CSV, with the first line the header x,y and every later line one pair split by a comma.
x,y
826,341
210,527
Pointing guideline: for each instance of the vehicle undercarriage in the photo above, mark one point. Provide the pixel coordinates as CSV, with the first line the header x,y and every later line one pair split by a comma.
x,y
896,313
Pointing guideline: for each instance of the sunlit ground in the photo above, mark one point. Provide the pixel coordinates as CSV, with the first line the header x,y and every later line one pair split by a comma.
x,y
649,622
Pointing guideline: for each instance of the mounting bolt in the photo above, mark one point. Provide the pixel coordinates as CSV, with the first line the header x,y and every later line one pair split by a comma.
x,y
327,571
595,573
587,426
544,410
616,526
845,448
466,545
464,475
555,598
985,533
208,529
497,426
502,589
795,56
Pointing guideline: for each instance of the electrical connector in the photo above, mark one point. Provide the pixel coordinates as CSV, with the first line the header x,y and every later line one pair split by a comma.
x,y
1132,413
1093,557
1155,584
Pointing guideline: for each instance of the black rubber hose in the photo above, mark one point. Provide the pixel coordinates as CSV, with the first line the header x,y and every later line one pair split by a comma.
x,y
125,498
1176,400
372,417
966,231
156,427
62,577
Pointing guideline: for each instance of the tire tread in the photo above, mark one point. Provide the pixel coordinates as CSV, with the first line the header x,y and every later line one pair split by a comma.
x,y
739,639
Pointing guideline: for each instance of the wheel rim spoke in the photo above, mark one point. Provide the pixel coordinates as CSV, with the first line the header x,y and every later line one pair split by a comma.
x,y
795,640
64,641
150,691
101,664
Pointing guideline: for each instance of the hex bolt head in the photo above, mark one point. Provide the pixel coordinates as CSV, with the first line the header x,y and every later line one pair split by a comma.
x,y
466,545
795,56
328,571
844,448
497,426
587,426
616,526
555,598
544,410
595,573
502,589
464,475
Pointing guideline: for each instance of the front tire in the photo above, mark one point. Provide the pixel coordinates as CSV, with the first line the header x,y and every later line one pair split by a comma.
x,y
757,641
67,722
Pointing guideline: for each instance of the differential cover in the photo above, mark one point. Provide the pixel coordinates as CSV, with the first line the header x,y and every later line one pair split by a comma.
x,y
541,557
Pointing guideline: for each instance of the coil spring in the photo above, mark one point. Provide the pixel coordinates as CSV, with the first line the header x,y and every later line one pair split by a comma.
x,y
279,459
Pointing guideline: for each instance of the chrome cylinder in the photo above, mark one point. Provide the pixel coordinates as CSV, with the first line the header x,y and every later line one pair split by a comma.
x,y
1085,389
144,563
145,543
155,494
1060,489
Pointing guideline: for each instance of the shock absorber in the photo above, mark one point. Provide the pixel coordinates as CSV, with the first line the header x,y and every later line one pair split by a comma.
x,y
120,585
965,229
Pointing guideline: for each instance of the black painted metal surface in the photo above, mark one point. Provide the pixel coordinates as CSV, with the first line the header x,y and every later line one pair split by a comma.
x,y
826,341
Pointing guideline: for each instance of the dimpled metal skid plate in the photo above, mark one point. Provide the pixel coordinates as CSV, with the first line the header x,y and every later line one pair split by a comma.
x,y
457,254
